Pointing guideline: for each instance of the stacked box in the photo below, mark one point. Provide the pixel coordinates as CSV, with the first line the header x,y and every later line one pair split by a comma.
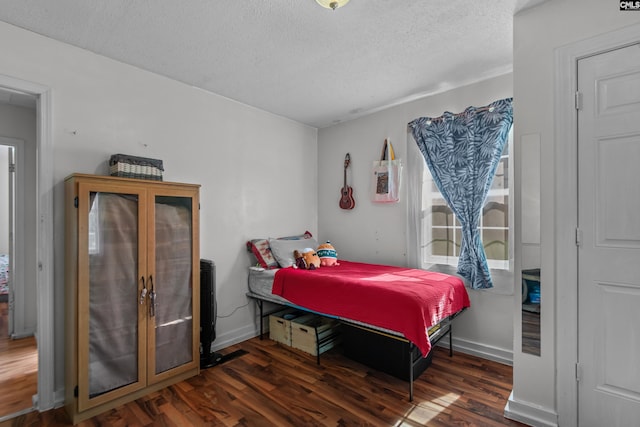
x,y
280,325
314,334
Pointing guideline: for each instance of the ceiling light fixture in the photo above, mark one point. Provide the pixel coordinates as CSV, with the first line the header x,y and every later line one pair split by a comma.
x,y
332,4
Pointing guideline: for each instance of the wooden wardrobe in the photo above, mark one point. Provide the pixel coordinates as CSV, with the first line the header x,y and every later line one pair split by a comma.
x,y
132,289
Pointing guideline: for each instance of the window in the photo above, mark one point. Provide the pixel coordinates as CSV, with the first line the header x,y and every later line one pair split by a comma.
x,y
441,232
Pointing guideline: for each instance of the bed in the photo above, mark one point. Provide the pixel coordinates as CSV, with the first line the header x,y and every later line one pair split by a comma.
x,y
412,305
4,277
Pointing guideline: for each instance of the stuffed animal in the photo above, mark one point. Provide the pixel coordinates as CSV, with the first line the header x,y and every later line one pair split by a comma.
x,y
307,260
298,260
328,255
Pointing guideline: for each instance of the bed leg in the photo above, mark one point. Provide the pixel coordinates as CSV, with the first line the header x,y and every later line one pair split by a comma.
x,y
261,318
450,339
317,347
410,372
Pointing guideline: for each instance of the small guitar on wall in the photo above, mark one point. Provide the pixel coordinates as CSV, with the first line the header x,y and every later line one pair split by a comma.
x,y
346,196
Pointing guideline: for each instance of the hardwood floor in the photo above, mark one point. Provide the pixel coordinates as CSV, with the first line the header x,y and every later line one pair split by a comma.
x,y
273,385
18,369
531,332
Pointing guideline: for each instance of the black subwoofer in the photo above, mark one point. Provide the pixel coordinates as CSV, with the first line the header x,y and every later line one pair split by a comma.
x,y
208,311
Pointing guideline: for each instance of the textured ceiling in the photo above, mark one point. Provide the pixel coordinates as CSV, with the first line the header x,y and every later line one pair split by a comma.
x,y
291,57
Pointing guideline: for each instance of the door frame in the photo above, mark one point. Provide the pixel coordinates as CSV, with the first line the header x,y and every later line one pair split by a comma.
x,y
566,209
45,331
16,233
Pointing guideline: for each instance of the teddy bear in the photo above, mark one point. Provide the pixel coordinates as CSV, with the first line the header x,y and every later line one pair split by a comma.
x,y
327,254
307,260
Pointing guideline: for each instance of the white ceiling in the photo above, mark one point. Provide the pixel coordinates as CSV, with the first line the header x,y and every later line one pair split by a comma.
x,y
292,57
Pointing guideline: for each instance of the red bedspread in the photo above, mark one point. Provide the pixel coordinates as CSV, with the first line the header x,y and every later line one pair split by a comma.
x,y
400,299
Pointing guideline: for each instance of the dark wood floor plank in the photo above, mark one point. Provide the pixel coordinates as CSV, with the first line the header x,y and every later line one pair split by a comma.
x,y
272,385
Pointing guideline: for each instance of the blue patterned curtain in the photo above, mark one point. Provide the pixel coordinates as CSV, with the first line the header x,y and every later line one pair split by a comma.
x,y
462,152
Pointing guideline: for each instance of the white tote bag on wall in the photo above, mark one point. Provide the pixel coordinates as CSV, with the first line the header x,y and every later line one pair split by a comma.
x,y
386,176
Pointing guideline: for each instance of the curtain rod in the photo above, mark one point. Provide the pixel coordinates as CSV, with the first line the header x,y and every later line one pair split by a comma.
x,y
499,104
485,108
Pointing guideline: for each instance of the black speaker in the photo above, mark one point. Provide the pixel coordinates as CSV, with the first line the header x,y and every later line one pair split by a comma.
x,y
208,311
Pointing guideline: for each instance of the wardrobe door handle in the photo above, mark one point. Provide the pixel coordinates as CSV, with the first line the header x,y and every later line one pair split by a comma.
x,y
152,298
143,292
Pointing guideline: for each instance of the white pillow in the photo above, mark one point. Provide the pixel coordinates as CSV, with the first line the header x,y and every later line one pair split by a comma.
x,y
282,250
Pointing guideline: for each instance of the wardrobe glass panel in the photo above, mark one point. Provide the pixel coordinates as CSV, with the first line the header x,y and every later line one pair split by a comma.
x,y
113,287
174,261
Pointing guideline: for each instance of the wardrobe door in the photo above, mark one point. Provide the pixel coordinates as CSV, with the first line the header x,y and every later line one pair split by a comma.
x,y
174,260
112,261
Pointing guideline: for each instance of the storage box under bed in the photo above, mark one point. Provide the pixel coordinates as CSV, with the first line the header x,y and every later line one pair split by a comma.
x,y
280,325
314,334
393,355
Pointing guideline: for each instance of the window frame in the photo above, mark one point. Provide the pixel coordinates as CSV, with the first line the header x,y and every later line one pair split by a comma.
x,y
427,259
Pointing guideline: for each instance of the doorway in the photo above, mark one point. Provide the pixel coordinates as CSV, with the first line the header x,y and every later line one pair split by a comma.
x,y
46,397
569,239
18,309
608,202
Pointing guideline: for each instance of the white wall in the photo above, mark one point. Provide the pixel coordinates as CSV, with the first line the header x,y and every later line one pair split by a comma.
x,y
538,33
378,233
258,171
20,123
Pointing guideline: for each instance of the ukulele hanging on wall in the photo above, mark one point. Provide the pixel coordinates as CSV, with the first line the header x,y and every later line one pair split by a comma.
x,y
346,196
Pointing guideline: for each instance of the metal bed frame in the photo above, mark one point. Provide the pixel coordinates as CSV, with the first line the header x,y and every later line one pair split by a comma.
x,y
445,328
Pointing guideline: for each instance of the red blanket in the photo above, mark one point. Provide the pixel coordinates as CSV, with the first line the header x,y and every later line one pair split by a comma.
x,y
400,299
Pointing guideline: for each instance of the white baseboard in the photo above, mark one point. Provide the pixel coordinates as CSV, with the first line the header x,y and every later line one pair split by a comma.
x,y
529,414
497,354
22,334
484,351
234,337
58,398
15,414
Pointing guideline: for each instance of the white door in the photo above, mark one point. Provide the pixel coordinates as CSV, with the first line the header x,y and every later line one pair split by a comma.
x,y
609,256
